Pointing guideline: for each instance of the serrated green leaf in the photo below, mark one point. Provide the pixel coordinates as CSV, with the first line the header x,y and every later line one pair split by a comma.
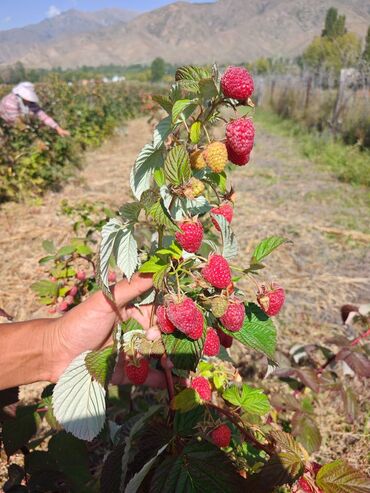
x,y
179,108
161,217
186,400
130,211
340,477
125,251
161,132
177,166
84,250
154,264
252,400
101,364
135,482
159,276
229,243
219,179
186,422
48,246
306,431
208,89
265,247
45,288
45,260
192,75
65,251
163,101
16,432
258,331
160,177
149,159
195,132
183,352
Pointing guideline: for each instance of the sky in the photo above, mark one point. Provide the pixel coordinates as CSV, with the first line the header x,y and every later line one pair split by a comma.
x,y
23,12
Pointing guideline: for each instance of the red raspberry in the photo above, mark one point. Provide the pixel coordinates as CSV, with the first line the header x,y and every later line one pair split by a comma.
x,y
237,83
202,386
225,210
186,317
73,291
221,436
164,323
212,343
63,306
240,136
112,277
225,339
137,374
191,236
233,318
69,299
271,299
238,159
81,275
217,272
303,486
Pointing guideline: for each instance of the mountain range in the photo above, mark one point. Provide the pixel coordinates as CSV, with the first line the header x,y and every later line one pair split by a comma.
x,y
226,31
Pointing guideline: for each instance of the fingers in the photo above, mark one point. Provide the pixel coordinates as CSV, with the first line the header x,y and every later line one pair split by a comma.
x,y
124,292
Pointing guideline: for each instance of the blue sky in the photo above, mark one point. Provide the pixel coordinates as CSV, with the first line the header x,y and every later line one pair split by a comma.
x,y
23,12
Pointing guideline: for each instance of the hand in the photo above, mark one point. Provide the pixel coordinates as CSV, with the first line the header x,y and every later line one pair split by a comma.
x,y
62,133
89,326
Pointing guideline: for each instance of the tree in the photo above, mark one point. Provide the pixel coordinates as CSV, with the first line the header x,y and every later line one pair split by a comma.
x,y
334,24
366,53
158,69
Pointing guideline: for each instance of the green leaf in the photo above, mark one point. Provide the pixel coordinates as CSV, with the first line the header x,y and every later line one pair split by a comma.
x,y
71,456
130,211
252,400
161,132
305,429
163,101
186,400
160,177
339,477
180,106
18,431
134,483
161,217
208,89
183,352
125,251
101,364
79,401
65,251
230,245
45,288
200,467
258,331
154,264
185,423
48,246
159,276
190,76
265,247
195,132
219,179
45,260
149,159
177,166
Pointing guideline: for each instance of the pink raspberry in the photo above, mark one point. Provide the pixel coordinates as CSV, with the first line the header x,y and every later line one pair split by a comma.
x,y
202,386
73,291
186,317
81,275
237,83
217,272
271,299
238,159
225,210
240,136
221,436
69,299
234,316
164,323
225,340
191,236
212,343
63,306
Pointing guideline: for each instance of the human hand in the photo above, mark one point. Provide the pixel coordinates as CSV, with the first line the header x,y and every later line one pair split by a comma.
x,y
89,326
62,133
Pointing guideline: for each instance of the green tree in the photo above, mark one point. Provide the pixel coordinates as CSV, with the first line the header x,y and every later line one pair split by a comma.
x,y
335,25
366,53
158,69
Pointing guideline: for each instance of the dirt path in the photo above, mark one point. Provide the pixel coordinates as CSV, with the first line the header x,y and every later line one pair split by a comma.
x,y
279,193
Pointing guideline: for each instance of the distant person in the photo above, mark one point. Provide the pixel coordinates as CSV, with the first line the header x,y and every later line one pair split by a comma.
x,y
23,102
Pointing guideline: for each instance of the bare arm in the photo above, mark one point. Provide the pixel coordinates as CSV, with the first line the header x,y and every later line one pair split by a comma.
x,y
41,349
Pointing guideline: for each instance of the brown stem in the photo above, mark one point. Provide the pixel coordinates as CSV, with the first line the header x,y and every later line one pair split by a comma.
x,y
268,448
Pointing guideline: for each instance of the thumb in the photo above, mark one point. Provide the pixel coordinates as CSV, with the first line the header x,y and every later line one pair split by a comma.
x,y
124,292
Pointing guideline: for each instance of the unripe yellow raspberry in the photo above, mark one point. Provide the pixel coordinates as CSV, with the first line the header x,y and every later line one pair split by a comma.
x,y
215,156
197,160
194,188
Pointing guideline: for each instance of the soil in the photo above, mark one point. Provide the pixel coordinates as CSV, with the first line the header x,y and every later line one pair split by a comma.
x,y
279,193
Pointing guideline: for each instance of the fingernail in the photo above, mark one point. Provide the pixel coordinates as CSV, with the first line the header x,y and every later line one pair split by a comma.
x,y
153,334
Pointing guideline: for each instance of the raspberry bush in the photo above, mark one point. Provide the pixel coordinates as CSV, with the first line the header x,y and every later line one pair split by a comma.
x,y
208,431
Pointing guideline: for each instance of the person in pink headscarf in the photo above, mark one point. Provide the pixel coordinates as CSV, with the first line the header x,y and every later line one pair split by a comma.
x,y
23,102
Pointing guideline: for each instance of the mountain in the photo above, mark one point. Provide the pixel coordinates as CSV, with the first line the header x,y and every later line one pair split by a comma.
x,y
182,32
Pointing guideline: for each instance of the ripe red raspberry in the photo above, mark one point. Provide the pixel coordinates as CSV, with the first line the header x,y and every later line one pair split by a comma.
x,y
164,323
202,386
233,318
225,210
212,343
63,306
73,291
304,486
271,299
225,340
186,317
81,275
137,374
237,83
238,159
240,136
217,272
221,436
191,236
